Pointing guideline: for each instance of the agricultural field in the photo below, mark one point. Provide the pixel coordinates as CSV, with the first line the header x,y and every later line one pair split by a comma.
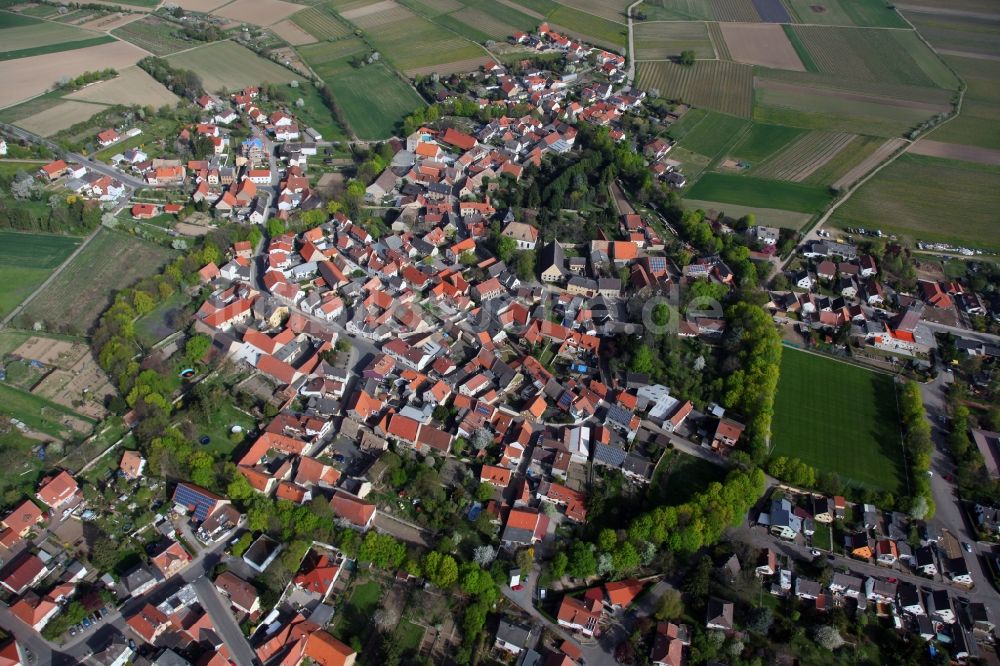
x,y
31,34
27,77
771,217
477,20
677,10
958,35
411,42
229,65
155,35
839,418
955,151
929,198
664,40
329,59
831,105
758,192
762,141
59,117
131,86
64,372
315,113
76,299
868,54
321,22
292,33
706,132
204,6
802,157
762,44
43,416
257,12
588,27
26,260
612,10
374,117
980,115
720,86
837,171
862,13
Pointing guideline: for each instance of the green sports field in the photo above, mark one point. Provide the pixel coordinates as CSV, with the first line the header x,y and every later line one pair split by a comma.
x,y
839,418
26,260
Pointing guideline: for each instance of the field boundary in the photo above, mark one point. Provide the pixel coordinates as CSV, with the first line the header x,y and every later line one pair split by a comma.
x,y
59,269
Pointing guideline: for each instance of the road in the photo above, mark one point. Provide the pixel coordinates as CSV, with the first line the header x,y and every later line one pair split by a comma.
x,y
93,165
630,72
225,623
963,332
16,311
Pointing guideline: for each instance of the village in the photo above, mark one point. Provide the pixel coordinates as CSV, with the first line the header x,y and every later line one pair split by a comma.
x,y
447,379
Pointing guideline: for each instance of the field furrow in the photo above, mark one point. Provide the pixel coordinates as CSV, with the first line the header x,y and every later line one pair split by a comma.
x,y
717,85
804,155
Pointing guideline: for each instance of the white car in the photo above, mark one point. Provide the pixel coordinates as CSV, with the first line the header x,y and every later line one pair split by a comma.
x,y
814,553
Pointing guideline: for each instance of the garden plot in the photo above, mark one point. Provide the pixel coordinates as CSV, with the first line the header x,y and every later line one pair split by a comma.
x,y
762,44
75,381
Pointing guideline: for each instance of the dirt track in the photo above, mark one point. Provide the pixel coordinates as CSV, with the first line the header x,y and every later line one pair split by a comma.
x,y
882,153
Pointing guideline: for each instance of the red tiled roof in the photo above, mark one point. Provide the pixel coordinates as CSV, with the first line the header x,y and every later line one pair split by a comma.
x,y
325,650
351,508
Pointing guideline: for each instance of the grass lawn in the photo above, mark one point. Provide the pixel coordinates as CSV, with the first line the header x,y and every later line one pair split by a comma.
x,y
688,475
162,321
26,260
218,428
743,190
37,412
408,637
821,537
762,141
931,199
356,614
19,476
75,300
839,418
374,117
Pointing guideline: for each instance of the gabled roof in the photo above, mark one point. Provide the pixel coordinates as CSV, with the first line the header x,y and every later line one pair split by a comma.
x,y
325,650
351,508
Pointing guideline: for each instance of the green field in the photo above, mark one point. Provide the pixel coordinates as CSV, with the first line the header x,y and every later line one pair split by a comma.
x,y
665,40
931,199
796,161
771,217
850,156
863,13
40,414
75,299
374,117
12,20
356,614
321,22
35,37
762,141
315,113
716,85
980,115
228,65
706,132
26,260
839,418
677,10
757,192
588,27
328,59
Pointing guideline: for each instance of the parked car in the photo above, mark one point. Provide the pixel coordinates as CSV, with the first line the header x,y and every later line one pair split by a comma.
x,y
86,622
967,546
73,630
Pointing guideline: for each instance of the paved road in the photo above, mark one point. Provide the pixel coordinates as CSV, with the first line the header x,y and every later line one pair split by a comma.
x,y
225,623
963,332
630,73
759,537
16,311
93,165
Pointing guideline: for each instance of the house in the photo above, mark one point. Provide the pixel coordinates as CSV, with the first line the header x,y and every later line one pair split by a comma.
x,y
19,522
727,434
171,559
910,599
513,638
143,211
553,263
132,465
938,605
849,586
621,594
924,561
34,611
241,594
886,552
197,502
498,477
108,137
525,235
149,623
323,649
668,644
580,615
809,590
351,510
139,580
524,527
22,572
317,575
768,565
824,510
719,615
858,545
54,170
782,521
58,491
958,571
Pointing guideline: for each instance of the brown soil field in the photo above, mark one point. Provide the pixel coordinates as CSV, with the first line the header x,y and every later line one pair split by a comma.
x,y
292,33
59,117
60,353
191,229
110,22
204,6
83,388
854,97
955,151
967,54
377,8
869,163
258,12
27,77
762,44
457,67
131,86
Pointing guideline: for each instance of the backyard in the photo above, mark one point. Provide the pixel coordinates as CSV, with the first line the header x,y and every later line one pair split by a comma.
x,y
839,418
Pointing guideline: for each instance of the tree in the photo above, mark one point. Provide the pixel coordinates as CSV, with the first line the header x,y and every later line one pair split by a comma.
x,y
196,347
506,246
440,569
524,265
582,563
828,637
484,555
558,565
760,620
525,559
670,606
484,492
687,58
607,539
697,583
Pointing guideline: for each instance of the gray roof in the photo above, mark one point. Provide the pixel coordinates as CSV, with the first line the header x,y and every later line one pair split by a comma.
x,y
514,634
609,455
